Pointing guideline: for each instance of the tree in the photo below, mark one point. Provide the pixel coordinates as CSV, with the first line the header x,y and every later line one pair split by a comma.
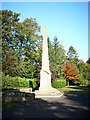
x,y
58,58
62,59
88,69
55,55
21,38
71,72
27,36
0,43
32,61
88,61
82,69
72,55
9,64
9,22
50,51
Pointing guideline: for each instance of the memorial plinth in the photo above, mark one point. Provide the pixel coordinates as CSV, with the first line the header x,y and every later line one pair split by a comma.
x,y
45,89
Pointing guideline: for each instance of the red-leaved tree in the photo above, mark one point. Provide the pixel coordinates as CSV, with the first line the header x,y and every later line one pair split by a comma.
x,y
71,72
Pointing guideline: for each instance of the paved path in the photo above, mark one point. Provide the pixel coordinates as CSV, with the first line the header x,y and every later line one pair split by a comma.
x,y
70,105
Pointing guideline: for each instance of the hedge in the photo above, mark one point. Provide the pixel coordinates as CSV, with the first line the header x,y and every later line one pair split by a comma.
x,y
33,84
59,83
9,82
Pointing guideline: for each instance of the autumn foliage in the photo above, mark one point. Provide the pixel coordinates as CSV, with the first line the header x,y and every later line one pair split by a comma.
x,y
71,72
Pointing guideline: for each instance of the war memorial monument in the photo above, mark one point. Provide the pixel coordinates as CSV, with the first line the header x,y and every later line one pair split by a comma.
x,y
45,89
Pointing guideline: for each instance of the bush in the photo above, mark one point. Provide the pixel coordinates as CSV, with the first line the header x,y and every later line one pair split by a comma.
x,y
33,83
59,83
84,82
76,82
54,77
9,82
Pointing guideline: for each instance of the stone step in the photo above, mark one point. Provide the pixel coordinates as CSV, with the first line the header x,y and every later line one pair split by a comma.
x,y
48,95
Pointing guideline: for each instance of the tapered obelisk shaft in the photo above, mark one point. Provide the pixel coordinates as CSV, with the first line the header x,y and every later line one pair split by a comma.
x,y
45,88
45,74
45,57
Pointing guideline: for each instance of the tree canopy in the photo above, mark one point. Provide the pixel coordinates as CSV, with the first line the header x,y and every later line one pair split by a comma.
x,y
22,51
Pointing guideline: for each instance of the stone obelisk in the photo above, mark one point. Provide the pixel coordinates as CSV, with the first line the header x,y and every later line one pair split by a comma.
x,y
45,88
45,74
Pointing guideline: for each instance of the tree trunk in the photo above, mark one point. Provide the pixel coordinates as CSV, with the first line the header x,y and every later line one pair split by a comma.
x,y
67,82
22,61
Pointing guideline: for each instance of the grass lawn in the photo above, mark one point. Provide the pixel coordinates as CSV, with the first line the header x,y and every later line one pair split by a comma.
x,y
75,89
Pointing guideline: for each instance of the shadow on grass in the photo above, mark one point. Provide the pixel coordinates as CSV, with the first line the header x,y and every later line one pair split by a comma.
x,y
78,87
70,105
75,89
13,97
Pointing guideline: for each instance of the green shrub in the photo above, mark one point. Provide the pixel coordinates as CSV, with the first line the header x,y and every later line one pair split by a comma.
x,y
84,82
59,83
88,82
76,82
33,84
23,82
14,82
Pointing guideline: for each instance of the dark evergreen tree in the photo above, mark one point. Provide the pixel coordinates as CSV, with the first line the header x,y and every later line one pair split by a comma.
x,y
9,61
72,55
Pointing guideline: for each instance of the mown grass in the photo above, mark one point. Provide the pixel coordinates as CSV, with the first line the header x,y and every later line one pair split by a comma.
x,y
75,89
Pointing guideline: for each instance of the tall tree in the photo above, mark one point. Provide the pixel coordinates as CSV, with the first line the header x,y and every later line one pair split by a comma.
x,y
0,43
88,69
58,58
82,69
27,36
55,56
9,64
21,38
38,59
50,51
62,60
28,41
72,55
9,22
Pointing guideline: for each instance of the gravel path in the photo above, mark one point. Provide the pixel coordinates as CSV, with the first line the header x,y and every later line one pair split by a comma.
x,y
70,105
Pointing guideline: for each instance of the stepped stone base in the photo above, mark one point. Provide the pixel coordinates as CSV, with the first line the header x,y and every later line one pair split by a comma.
x,y
47,92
